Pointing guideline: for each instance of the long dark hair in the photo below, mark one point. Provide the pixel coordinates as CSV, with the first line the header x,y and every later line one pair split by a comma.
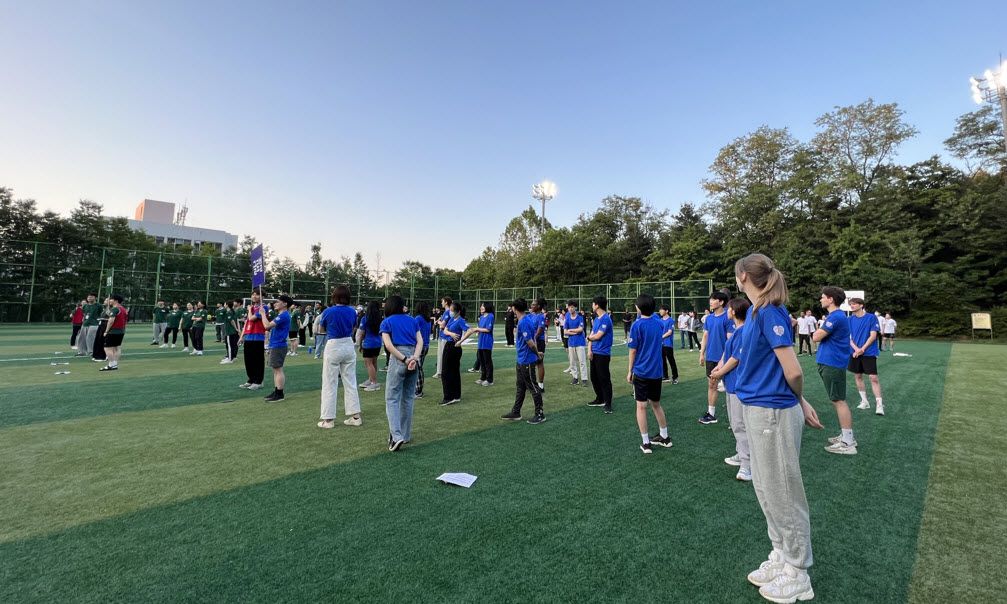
x,y
394,305
423,310
373,314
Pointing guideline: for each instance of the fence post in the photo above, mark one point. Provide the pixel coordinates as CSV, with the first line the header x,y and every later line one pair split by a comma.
x,y
673,309
209,271
291,291
101,272
327,282
358,289
437,287
157,279
412,290
31,292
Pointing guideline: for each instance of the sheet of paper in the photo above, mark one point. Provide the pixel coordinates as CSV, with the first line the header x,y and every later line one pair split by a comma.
x,y
460,479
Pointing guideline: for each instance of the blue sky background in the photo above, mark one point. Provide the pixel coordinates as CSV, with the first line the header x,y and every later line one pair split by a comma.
x,y
415,129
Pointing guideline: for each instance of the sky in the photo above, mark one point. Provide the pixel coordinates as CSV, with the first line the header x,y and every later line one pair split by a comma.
x,y
415,130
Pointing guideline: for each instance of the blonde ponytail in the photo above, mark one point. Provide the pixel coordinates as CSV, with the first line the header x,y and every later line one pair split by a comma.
x,y
765,276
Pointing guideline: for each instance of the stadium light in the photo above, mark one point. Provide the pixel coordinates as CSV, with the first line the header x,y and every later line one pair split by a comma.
x,y
991,89
543,192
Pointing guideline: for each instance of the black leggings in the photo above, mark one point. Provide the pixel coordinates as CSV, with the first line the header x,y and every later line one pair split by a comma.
x,y
668,355
73,337
451,377
173,332
693,338
601,378
255,360
232,346
805,338
197,339
185,338
486,364
419,378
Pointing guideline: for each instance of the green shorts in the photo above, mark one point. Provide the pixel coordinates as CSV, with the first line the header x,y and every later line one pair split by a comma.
x,y
834,379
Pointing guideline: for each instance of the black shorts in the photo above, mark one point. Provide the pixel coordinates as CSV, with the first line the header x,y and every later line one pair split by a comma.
x,y
862,364
889,336
113,339
372,353
647,389
292,334
540,344
710,366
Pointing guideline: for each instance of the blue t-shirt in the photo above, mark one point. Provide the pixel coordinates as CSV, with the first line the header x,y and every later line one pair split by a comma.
x,y
732,350
281,326
834,350
371,340
446,317
402,329
486,339
666,324
716,328
456,325
645,339
526,331
424,329
573,322
860,330
543,323
759,376
338,321
604,345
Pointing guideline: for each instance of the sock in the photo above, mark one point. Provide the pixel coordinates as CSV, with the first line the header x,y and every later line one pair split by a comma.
x,y
712,410
863,396
646,438
879,402
847,437
113,363
664,432
541,386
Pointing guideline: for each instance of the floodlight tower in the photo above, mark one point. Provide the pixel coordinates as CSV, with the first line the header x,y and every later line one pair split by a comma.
x,y
543,192
991,89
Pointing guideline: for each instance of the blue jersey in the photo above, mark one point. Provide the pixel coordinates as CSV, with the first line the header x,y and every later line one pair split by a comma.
x,y
666,324
423,326
486,339
401,329
543,324
603,346
760,381
860,331
834,350
645,339
446,317
526,331
716,335
279,333
733,350
456,325
371,340
573,322
338,321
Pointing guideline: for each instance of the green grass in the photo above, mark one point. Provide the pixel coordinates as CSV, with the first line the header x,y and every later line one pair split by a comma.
x,y
140,485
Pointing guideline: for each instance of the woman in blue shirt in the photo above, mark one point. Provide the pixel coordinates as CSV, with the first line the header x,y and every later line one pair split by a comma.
x,y
422,319
485,350
451,378
369,343
769,385
337,323
403,341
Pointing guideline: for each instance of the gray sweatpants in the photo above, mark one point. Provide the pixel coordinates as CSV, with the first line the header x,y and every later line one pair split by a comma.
x,y
159,329
578,362
736,418
775,439
86,339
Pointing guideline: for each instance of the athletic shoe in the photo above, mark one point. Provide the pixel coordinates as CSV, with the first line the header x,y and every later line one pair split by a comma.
x,y
373,388
108,368
733,460
473,370
436,376
80,354
837,439
708,419
153,343
661,441
608,408
485,383
767,571
646,448
568,370
172,345
720,386
199,353
186,349
575,383
446,402
596,404
383,370
674,382
789,586
254,386
226,361
584,383
842,448
193,353
666,381
864,405
541,389
365,383
163,346
880,410
419,395
97,360
744,475
245,385
395,446
274,398
328,424
294,354
353,421
538,419
480,382
513,415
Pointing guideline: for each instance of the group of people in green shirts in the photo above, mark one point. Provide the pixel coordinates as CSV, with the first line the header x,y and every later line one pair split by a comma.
x,y
191,322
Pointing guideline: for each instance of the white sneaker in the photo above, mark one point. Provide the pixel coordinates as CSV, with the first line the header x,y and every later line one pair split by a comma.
x,y
193,353
842,448
733,460
255,386
373,388
720,386
73,348
487,383
471,370
744,475
436,376
864,405
163,346
767,571
245,385
568,370
172,345
328,424
186,349
788,587
880,410
837,439
353,421
480,382
226,361
365,383
199,353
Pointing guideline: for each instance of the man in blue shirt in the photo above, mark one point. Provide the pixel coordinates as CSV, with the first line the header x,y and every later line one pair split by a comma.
x,y
668,348
280,326
599,353
711,350
645,342
833,338
573,327
528,355
864,333
540,314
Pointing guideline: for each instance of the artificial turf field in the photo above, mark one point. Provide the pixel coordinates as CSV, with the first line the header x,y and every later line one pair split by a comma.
x,y
141,485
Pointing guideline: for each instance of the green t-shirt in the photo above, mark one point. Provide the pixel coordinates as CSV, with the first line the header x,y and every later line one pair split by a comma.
x,y
111,313
174,319
199,314
295,321
187,319
272,314
160,315
91,314
229,320
240,312
220,315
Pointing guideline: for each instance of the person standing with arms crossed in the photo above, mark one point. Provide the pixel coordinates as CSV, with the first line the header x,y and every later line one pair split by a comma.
x,y
527,356
88,326
573,327
833,339
737,309
186,326
599,354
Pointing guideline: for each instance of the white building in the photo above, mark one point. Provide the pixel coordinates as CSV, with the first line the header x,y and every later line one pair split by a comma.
x,y
156,218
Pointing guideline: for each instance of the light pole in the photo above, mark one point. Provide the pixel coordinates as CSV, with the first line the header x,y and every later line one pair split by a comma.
x,y
991,89
543,192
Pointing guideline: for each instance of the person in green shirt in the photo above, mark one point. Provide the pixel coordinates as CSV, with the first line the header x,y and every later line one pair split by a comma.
x,y
230,333
174,321
160,321
219,317
88,326
295,326
198,326
114,331
240,313
186,325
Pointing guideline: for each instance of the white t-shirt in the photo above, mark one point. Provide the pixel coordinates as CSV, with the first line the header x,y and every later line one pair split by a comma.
x,y
683,322
802,326
820,322
890,326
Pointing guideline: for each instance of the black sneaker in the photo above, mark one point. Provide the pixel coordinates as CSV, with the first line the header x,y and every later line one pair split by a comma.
x,y
538,419
596,404
575,383
154,344
708,419
674,382
108,368
446,402
390,441
666,381
660,440
395,446
274,398
419,395
473,371
645,447
608,408
513,415
584,383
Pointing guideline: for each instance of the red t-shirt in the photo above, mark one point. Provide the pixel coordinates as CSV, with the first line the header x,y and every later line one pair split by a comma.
x,y
78,316
119,321
253,324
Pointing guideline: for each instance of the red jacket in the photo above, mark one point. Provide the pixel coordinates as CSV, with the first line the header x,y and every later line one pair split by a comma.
x,y
78,316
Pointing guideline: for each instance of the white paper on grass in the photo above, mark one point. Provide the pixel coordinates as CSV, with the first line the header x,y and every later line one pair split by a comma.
x,y
460,479
901,354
